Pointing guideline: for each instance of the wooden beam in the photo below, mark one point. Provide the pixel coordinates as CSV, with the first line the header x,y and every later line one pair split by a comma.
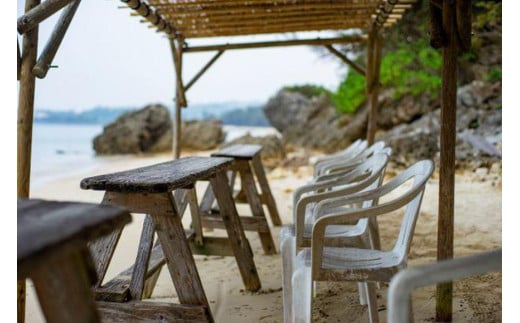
x,y
269,29
273,22
282,43
345,59
24,128
144,10
372,81
180,99
19,61
444,295
37,14
275,12
203,70
48,53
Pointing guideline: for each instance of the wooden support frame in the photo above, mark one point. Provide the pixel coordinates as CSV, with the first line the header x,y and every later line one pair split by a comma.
x,y
143,9
345,59
180,98
282,43
24,127
444,295
374,47
203,70
38,13
48,53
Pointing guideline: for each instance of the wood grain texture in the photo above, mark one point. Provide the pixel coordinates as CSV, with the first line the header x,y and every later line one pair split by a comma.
x,y
48,53
249,223
253,199
235,232
118,288
43,225
179,258
152,312
62,286
267,195
239,151
445,230
158,178
143,257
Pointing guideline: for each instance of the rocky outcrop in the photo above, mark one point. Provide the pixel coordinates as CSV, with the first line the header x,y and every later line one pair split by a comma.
x,y
134,132
202,134
149,130
479,130
273,151
308,122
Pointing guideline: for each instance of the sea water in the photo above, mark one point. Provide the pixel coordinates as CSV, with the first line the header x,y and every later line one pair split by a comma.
x,y
61,150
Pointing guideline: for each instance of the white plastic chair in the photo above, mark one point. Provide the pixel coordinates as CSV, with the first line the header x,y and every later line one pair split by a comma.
x,y
403,283
324,263
351,151
344,164
362,233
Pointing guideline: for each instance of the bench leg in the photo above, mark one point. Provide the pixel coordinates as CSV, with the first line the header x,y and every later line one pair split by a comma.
x,y
63,289
177,252
266,191
235,232
141,262
253,199
102,249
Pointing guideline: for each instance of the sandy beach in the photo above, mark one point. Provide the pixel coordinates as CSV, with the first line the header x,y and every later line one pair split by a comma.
x,y
478,227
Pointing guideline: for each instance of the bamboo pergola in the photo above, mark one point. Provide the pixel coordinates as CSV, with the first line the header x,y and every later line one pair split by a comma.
x,y
362,20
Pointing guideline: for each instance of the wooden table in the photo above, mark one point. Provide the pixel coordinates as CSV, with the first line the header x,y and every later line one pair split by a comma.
x,y
247,163
150,190
52,252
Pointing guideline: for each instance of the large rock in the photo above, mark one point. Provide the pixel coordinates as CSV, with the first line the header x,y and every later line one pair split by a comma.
x,y
134,132
202,134
195,135
309,123
149,130
479,131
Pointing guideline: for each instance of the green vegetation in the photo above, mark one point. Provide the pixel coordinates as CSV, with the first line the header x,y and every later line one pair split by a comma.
x,y
413,68
307,90
350,93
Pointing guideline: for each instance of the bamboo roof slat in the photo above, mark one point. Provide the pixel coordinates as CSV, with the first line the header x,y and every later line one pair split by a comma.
x,y
218,18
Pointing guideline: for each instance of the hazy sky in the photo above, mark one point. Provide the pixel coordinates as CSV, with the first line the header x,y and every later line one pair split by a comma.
x,y
108,58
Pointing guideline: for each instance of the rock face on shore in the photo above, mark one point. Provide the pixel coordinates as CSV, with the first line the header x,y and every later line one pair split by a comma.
x,y
410,126
309,123
149,130
134,132
479,130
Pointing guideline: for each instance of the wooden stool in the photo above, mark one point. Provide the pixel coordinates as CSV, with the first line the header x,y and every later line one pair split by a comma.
x,y
53,253
248,164
149,190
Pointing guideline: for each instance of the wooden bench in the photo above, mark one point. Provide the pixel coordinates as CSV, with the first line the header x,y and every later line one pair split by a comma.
x,y
52,252
248,164
162,192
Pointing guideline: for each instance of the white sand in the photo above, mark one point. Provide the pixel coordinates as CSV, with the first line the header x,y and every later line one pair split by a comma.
x,y
478,228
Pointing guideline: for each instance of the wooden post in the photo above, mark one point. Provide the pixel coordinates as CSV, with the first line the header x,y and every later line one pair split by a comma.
x,y
180,99
24,128
447,157
345,60
374,47
203,70
37,14
48,53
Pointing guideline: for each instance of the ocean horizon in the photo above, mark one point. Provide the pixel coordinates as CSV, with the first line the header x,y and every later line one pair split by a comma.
x,y
60,150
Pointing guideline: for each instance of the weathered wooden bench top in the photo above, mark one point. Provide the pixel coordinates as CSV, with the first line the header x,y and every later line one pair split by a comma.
x,y
239,151
44,225
158,178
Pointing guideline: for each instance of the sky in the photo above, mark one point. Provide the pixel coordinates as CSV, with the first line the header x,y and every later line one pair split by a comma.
x,y
109,58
